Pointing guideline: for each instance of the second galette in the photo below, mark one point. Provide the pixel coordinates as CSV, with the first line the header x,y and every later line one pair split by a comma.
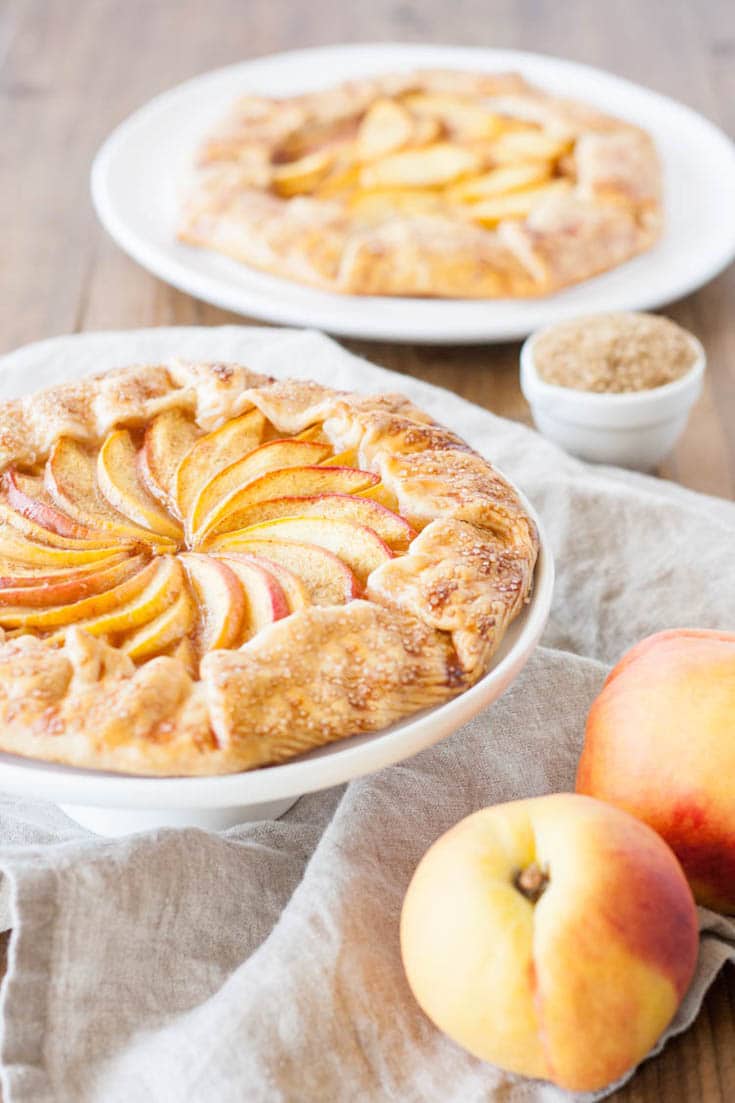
x,y
434,183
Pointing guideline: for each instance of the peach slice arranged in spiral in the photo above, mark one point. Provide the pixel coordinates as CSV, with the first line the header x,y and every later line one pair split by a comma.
x,y
265,598
163,581
167,540
28,575
119,478
69,588
84,609
18,548
26,495
224,493
294,589
326,579
168,438
72,481
291,484
357,546
220,600
211,454
389,526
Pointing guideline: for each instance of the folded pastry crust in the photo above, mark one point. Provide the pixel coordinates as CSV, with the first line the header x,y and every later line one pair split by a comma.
x,y
604,206
422,628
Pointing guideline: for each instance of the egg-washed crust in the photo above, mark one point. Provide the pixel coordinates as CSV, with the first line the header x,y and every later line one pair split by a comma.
x,y
612,212
425,630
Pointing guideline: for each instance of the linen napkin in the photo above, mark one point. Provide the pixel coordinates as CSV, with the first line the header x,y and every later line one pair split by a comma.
x,y
262,963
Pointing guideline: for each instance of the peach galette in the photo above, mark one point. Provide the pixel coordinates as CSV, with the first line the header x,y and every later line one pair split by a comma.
x,y
453,184
205,570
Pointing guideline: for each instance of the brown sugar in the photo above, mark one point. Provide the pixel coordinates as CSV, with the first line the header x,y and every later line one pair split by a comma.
x,y
614,353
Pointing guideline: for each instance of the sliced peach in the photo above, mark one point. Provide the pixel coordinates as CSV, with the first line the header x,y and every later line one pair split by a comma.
x,y
167,440
342,177
15,546
292,482
265,599
71,588
314,432
120,481
381,494
163,631
356,545
18,616
500,181
212,453
389,526
164,581
185,651
219,496
461,116
71,480
517,204
327,579
34,531
302,176
347,458
528,145
385,127
27,495
296,593
220,599
421,168
378,204
29,574
426,130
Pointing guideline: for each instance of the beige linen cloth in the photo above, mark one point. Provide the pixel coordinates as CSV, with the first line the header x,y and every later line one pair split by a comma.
x,y
262,964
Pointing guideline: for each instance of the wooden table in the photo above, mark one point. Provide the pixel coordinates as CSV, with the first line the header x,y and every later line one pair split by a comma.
x,y
70,70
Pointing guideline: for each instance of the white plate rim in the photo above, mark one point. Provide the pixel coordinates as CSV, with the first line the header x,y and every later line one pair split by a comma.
x,y
325,309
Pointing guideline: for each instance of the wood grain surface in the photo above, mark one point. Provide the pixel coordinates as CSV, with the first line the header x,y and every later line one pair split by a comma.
x,y
70,70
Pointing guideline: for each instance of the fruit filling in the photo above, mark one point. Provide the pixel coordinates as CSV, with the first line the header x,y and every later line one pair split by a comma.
x,y
171,541
428,153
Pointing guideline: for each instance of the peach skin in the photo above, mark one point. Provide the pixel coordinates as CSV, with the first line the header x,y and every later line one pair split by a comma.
x,y
554,937
660,743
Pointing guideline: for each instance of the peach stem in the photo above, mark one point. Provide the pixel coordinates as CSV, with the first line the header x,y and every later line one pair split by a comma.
x,y
531,882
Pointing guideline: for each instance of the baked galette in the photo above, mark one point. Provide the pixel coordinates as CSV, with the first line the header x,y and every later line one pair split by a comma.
x,y
205,570
452,184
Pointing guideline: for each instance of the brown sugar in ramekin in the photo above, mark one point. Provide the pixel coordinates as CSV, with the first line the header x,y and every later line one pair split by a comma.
x,y
614,353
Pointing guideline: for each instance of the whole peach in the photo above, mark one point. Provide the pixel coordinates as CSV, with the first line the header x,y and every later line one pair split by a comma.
x,y
660,743
554,937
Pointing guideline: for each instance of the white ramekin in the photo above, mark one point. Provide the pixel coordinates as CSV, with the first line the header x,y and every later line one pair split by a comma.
x,y
634,429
